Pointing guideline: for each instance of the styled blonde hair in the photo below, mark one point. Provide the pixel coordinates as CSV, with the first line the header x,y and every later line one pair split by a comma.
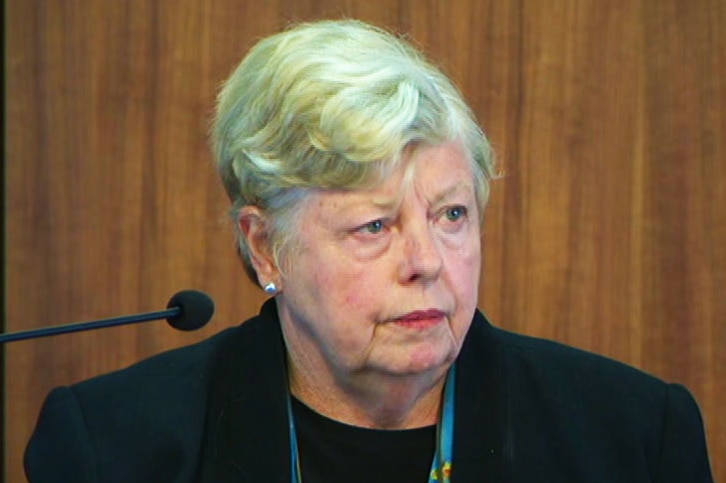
x,y
331,105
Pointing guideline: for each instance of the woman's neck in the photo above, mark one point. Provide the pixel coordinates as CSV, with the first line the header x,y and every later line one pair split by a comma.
x,y
371,401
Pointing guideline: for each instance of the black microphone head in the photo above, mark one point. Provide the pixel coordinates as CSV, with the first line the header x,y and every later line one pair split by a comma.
x,y
196,309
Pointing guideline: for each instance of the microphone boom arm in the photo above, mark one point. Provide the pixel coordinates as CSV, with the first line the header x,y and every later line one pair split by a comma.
x,y
169,313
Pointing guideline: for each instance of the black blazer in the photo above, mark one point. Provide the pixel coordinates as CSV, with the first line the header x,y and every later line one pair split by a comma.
x,y
527,410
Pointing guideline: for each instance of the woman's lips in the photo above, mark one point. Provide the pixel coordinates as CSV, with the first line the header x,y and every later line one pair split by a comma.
x,y
421,319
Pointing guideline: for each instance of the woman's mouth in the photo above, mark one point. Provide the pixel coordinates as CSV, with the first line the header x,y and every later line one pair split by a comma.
x,y
421,319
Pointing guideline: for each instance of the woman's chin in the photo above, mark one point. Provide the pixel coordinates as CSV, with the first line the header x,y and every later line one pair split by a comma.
x,y
419,361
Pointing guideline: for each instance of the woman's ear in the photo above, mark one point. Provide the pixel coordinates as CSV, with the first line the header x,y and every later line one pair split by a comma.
x,y
254,227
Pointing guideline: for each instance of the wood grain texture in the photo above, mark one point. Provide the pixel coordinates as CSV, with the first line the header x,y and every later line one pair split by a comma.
x,y
606,231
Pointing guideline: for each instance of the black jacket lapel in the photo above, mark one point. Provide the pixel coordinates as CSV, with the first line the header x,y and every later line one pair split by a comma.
x,y
247,438
481,402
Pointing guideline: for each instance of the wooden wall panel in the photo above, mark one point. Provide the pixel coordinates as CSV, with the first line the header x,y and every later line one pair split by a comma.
x,y
606,232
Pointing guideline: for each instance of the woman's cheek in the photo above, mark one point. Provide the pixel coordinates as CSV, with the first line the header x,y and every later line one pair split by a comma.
x,y
354,290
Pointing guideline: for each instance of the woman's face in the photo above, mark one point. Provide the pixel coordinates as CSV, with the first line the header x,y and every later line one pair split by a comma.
x,y
385,280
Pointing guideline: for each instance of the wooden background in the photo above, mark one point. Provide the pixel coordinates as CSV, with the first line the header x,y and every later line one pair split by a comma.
x,y
608,231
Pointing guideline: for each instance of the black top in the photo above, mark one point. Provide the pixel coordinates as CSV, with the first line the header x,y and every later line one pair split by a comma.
x,y
334,452
527,410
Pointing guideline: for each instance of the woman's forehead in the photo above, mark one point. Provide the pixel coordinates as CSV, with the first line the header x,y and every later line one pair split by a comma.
x,y
434,173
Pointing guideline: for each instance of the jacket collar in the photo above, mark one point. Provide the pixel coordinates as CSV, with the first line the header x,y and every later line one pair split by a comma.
x,y
247,430
481,407
247,434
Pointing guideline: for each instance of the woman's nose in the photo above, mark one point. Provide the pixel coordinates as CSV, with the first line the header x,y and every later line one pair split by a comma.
x,y
422,259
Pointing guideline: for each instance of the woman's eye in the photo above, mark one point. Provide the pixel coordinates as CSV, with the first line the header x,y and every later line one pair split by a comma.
x,y
455,213
373,227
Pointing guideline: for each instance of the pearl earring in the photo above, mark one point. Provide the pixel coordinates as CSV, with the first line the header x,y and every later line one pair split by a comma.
x,y
270,288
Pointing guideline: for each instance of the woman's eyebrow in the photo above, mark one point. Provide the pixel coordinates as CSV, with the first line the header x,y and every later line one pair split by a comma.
x,y
387,203
451,191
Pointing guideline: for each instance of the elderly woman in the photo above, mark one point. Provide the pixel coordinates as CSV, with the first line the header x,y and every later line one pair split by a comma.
x,y
358,178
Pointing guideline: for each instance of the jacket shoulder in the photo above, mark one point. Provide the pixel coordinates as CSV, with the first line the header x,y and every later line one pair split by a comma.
x,y
600,411
556,363
147,419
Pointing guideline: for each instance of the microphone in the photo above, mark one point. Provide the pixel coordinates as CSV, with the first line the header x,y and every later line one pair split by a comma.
x,y
187,310
195,309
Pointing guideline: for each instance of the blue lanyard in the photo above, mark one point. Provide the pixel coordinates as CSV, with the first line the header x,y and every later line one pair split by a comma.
x,y
442,463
